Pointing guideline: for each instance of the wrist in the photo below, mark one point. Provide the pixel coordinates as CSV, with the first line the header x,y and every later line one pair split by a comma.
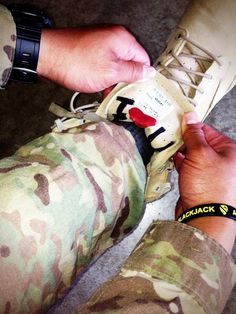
x,y
55,61
217,220
44,66
223,230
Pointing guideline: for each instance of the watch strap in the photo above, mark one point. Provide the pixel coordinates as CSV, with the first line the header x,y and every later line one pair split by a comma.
x,y
29,25
26,55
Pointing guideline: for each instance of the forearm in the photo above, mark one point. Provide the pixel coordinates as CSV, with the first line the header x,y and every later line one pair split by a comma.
x,y
223,230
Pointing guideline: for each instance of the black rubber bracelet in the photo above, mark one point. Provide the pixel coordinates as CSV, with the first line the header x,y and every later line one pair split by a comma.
x,y
206,210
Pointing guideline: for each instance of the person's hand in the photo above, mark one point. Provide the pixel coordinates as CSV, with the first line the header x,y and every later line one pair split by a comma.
x,y
207,174
207,171
92,59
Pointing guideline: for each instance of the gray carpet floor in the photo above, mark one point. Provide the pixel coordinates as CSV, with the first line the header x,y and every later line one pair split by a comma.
x,y
24,113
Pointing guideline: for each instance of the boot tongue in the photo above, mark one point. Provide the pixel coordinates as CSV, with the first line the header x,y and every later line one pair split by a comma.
x,y
184,58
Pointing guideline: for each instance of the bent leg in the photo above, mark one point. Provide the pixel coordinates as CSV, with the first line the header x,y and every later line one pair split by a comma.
x,y
65,197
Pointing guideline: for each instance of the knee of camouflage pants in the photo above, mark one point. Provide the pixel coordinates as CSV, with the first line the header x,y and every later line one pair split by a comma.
x,y
65,197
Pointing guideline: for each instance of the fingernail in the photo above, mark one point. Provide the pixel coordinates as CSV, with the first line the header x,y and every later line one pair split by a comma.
x,y
191,118
149,72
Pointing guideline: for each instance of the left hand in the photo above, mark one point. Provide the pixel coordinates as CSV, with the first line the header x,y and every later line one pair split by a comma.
x,y
92,59
207,171
207,174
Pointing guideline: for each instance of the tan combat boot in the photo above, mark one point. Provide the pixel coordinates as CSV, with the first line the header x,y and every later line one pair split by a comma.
x,y
197,68
200,57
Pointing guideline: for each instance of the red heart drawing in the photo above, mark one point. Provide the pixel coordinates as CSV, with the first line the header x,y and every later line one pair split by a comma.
x,y
141,119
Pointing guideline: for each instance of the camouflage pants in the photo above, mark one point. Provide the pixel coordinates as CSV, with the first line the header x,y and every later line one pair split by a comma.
x,y
65,197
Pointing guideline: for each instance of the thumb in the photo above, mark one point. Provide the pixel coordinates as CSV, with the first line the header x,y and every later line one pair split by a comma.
x,y
107,91
131,71
178,159
193,134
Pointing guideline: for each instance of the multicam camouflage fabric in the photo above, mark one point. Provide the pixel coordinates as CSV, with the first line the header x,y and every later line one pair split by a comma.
x,y
174,269
7,44
65,198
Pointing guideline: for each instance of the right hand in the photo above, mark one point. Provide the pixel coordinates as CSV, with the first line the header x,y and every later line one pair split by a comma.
x,y
207,171
91,59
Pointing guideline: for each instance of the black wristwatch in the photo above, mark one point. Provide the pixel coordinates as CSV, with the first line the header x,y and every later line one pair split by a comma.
x,y
29,24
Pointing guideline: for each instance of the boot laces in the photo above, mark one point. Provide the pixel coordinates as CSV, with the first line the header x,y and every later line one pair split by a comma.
x,y
177,64
82,113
